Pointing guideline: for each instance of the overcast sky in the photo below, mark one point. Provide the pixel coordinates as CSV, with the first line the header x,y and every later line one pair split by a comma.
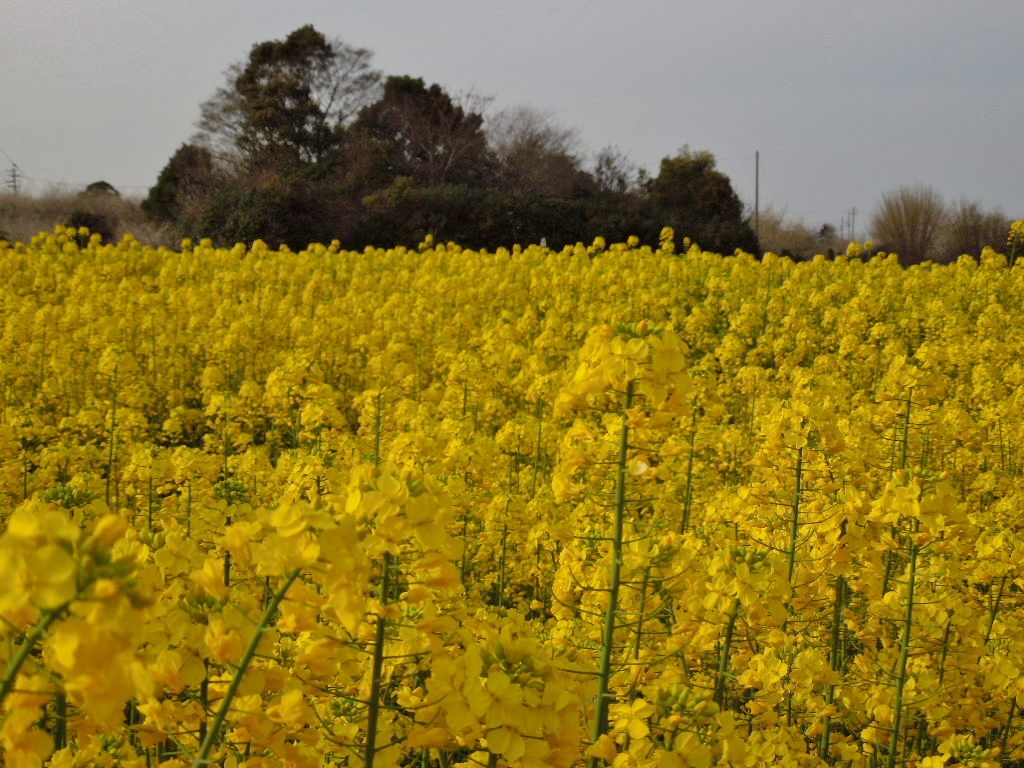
x,y
843,101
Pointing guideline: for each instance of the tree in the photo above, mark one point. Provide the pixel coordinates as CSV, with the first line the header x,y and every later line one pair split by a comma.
x,y
186,179
280,210
614,172
907,221
698,201
969,228
288,105
102,188
777,234
419,132
512,128
535,154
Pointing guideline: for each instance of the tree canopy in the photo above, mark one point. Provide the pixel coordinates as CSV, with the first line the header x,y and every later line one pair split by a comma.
x,y
289,104
696,199
188,175
306,141
419,132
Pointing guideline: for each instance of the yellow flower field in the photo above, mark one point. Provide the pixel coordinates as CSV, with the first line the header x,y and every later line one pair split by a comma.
x,y
612,505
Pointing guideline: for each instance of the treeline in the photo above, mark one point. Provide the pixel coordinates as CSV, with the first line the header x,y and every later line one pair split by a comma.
x,y
916,223
307,142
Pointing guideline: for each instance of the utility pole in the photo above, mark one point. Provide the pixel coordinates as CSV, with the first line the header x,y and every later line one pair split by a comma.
x,y
853,228
757,194
14,177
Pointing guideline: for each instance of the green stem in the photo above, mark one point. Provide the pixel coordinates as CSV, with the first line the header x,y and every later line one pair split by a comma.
x,y
380,631
723,662
113,434
994,609
149,503
377,670
945,650
789,693
906,433
225,440
638,639
464,563
204,701
536,452
213,734
377,429
794,529
1009,721
901,668
60,720
688,495
834,659
227,559
25,650
600,725
501,565
640,617
794,539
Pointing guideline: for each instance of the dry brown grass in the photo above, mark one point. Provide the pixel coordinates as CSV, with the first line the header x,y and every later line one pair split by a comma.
x,y
22,217
777,234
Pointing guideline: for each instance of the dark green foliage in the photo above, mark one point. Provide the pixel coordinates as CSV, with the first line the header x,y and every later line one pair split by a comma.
x,y
188,175
293,212
419,132
96,223
282,125
490,218
698,201
303,145
289,104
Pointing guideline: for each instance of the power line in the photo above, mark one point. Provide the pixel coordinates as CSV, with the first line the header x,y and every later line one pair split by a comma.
x,y
15,174
16,177
9,158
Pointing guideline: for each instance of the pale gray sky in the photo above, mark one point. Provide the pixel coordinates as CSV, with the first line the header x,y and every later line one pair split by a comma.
x,y
844,101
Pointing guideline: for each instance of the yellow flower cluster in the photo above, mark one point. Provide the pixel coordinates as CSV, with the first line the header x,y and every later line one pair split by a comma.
x,y
609,505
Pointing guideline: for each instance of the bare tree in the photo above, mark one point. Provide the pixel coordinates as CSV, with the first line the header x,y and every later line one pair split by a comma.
x,y
511,129
794,238
536,154
221,119
614,171
908,222
969,228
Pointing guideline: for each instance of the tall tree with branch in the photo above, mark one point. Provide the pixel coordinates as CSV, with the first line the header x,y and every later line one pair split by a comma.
x,y
288,105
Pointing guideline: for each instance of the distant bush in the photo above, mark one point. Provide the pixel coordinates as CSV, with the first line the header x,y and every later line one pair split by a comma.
x,y
22,216
915,223
96,223
292,212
